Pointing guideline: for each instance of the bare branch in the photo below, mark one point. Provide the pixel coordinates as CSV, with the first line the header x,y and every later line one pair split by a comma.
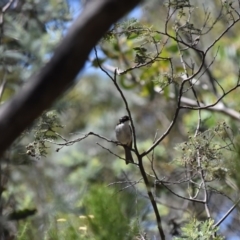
x,y
114,80
140,163
219,107
216,102
151,197
170,126
110,151
69,143
227,213
174,193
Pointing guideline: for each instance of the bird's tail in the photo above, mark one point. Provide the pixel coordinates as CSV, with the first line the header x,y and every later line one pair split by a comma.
x,y
128,155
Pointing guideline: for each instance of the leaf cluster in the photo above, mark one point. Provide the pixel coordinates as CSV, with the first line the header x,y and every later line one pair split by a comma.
x,y
200,230
29,33
208,151
45,131
112,214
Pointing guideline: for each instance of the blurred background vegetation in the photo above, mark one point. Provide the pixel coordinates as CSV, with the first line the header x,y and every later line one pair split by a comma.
x,y
80,191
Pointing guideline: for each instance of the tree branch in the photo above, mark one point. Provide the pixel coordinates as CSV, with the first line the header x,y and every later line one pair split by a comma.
x,y
227,214
69,58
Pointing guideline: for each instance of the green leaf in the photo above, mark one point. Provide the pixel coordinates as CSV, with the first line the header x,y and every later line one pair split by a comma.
x,y
14,55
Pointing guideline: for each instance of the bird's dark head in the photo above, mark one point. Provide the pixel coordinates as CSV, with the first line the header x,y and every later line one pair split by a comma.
x,y
124,119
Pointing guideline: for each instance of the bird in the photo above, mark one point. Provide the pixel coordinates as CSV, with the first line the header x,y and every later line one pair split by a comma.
x,y
124,136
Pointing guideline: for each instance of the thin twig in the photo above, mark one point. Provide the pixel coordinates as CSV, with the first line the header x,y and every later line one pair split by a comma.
x,y
201,172
213,104
69,143
185,198
141,167
110,151
114,80
227,214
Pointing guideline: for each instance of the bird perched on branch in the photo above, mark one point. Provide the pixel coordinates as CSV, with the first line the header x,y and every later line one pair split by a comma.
x,y
124,136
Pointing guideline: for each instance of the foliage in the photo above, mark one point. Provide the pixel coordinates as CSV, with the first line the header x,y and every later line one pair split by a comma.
x,y
45,132
110,217
200,230
29,35
212,147
174,70
112,214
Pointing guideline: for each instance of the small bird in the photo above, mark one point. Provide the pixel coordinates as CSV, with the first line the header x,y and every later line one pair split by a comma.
x,y
124,136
